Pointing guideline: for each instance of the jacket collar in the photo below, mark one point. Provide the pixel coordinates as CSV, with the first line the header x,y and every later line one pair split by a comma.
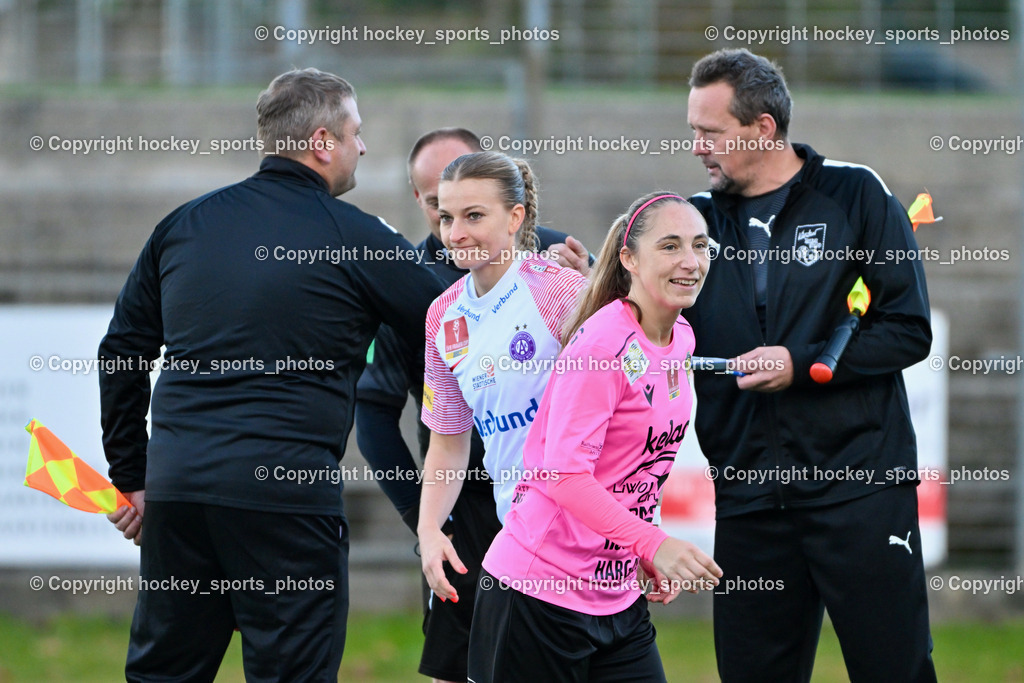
x,y
812,158
813,161
285,168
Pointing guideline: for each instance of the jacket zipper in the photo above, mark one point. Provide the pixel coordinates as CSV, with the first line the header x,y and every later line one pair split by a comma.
x,y
766,400
770,400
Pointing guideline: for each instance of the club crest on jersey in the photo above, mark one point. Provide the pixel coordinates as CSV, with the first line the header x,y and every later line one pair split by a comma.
x,y
522,347
456,340
634,362
809,243
673,383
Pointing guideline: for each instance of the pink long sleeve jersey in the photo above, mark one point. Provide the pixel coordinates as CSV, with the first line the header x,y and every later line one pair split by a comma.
x,y
603,442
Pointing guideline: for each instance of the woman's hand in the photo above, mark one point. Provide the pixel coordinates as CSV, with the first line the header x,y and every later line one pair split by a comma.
x,y
683,566
435,550
447,457
654,583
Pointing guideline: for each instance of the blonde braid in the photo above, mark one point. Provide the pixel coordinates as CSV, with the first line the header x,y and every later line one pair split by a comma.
x,y
527,237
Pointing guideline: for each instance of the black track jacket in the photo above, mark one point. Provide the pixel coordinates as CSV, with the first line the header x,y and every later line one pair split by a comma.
x,y
857,425
262,351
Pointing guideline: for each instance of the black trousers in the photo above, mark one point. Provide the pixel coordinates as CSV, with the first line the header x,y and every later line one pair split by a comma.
x,y
282,579
783,567
517,638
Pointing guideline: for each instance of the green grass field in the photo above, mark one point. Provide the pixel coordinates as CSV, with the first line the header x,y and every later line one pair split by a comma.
x,y
386,648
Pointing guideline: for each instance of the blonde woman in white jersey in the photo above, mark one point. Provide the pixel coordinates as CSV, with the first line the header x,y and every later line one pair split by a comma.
x,y
492,339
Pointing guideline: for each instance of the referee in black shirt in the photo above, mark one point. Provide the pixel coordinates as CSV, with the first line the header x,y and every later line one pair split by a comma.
x,y
265,296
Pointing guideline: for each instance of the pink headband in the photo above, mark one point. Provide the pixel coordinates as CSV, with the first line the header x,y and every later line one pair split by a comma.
x,y
638,211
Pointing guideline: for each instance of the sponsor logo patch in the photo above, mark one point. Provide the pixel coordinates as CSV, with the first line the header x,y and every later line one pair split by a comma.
x,y
673,383
456,340
634,362
485,379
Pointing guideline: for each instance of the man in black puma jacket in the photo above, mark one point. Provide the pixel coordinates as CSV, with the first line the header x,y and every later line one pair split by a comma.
x,y
807,476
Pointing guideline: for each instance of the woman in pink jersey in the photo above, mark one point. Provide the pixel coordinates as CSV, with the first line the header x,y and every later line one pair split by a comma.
x,y
492,338
560,597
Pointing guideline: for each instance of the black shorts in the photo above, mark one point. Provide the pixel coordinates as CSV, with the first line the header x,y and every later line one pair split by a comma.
x,y
446,625
520,638
282,579
860,560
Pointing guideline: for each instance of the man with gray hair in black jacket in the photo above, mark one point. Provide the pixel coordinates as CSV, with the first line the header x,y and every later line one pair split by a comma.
x,y
265,296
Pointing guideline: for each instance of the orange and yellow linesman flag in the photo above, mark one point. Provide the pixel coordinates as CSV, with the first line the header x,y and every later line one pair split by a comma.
x,y
921,211
54,469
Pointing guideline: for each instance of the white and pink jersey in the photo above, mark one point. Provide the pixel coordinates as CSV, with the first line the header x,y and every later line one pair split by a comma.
x,y
488,359
616,408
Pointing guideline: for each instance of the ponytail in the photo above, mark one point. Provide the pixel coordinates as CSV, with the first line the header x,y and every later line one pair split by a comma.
x,y
527,239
